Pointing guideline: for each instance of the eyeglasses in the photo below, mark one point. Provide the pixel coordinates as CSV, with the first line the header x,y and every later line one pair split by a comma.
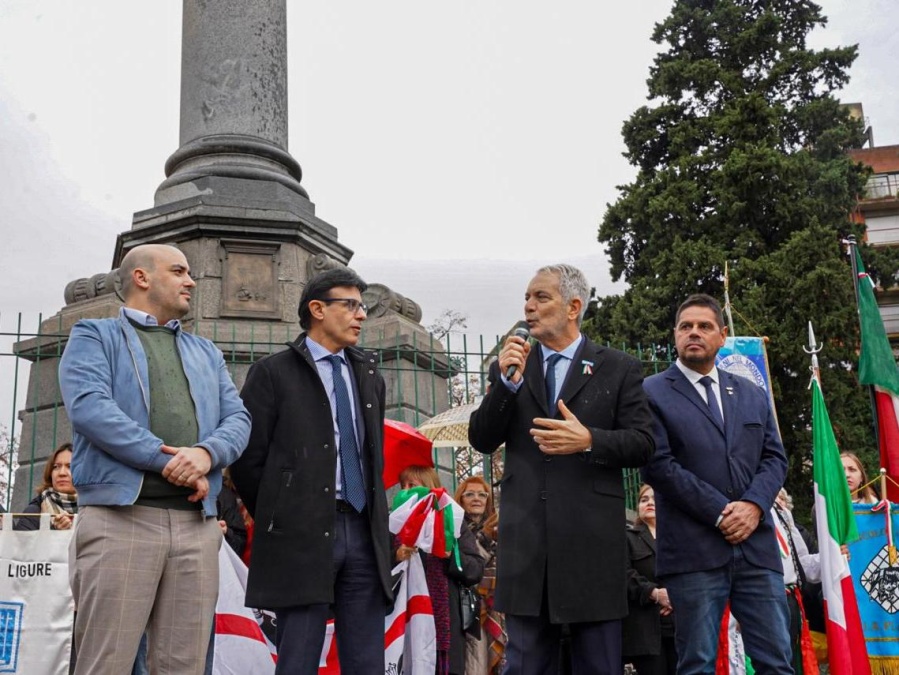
x,y
469,495
351,304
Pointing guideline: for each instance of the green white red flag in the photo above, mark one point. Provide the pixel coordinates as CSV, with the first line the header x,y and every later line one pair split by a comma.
x,y
431,521
877,368
846,650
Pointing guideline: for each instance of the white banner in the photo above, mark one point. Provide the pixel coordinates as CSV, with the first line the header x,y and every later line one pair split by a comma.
x,y
410,637
36,608
241,648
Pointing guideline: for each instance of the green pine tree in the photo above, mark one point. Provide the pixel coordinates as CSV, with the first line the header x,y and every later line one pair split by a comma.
x,y
741,159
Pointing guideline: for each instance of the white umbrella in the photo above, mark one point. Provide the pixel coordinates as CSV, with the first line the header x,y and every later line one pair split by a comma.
x,y
449,429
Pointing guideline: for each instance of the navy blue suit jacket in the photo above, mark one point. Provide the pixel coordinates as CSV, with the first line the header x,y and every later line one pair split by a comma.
x,y
698,468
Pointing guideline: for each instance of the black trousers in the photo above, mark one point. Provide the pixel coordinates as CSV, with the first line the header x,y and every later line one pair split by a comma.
x,y
359,609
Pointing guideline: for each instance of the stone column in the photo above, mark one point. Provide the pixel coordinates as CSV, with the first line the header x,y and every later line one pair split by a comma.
x,y
233,97
233,203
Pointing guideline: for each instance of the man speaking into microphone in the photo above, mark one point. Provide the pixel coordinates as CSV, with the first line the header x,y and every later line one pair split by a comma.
x,y
571,414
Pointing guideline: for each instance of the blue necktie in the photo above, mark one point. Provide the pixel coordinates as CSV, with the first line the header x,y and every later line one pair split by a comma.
x,y
551,381
353,490
706,382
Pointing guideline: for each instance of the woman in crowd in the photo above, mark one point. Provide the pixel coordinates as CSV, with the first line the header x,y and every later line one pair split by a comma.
x,y
648,630
486,639
856,477
230,516
444,580
55,495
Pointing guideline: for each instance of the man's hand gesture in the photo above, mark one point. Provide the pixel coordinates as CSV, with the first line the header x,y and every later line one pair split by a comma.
x,y
561,437
187,466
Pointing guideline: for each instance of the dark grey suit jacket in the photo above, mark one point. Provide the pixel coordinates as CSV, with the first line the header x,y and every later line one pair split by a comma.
x,y
562,518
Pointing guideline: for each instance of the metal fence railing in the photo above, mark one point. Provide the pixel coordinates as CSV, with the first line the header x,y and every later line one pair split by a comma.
x,y
426,375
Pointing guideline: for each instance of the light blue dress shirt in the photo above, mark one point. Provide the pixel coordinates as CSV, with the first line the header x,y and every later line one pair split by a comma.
x,y
326,373
562,365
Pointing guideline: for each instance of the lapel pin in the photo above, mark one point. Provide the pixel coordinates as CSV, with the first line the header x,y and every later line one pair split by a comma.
x,y
730,391
588,367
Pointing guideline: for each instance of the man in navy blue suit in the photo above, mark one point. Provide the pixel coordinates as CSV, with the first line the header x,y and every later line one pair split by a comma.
x,y
717,468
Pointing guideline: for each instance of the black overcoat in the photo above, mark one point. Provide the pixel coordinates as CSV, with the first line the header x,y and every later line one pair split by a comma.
x,y
286,476
562,518
642,629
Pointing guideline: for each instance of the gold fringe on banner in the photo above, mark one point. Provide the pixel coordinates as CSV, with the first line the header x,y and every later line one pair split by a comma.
x,y
884,665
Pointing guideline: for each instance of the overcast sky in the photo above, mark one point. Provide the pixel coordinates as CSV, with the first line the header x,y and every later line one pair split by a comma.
x,y
482,132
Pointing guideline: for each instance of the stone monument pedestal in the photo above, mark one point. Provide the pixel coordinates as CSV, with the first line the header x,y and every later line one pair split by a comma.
x,y
233,203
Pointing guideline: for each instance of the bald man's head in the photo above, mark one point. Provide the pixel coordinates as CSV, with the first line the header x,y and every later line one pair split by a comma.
x,y
140,257
156,279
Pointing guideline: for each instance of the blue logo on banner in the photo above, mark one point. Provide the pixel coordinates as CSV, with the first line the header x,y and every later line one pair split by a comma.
x,y
876,582
744,356
10,632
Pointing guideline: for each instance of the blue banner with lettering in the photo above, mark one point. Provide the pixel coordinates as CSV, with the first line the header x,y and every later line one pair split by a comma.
x,y
745,356
876,584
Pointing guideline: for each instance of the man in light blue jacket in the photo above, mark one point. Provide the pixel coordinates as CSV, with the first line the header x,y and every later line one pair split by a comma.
x,y
155,418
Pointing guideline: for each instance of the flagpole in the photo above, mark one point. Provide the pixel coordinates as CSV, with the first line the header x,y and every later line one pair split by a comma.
x,y
812,350
836,526
887,506
730,316
872,395
853,244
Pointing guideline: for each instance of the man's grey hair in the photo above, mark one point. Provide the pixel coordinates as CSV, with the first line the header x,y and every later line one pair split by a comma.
x,y
572,284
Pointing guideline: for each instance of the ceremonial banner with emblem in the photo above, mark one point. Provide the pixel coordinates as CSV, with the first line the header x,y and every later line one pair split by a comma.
x,y
36,607
746,357
876,583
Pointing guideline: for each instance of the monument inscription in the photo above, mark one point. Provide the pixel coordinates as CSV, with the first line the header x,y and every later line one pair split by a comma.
x,y
250,279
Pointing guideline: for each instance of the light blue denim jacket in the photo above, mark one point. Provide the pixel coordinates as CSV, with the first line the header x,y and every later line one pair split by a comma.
x,y
104,381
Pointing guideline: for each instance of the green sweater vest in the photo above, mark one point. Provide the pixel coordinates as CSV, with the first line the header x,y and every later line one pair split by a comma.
x,y
172,414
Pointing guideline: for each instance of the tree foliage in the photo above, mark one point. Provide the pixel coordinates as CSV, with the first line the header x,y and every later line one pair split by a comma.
x,y
741,159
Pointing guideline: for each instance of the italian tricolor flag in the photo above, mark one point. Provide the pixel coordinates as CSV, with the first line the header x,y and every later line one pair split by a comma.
x,y
877,368
846,651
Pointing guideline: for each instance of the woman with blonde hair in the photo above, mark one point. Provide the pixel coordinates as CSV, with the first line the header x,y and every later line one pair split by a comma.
x,y
857,479
486,638
445,580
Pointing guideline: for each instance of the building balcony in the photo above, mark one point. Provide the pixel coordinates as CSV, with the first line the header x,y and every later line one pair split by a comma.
x,y
880,187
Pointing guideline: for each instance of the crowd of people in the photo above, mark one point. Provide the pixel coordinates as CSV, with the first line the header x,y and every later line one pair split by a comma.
x,y
551,581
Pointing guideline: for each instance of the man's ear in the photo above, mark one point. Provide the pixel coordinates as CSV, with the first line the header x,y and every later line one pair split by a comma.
x,y
574,307
317,309
140,278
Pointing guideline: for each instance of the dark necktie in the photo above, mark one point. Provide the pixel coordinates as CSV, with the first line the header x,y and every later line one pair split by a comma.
x,y
353,490
551,381
712,400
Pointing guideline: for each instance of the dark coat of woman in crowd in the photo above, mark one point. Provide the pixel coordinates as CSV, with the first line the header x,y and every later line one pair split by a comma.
x,y
231,516
486,638
648,630
445,580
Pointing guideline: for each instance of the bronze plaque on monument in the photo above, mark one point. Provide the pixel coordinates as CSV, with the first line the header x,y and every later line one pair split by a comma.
x,y
250,280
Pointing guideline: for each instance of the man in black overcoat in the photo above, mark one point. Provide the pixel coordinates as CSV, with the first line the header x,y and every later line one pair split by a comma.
x,y
571,414
311,478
